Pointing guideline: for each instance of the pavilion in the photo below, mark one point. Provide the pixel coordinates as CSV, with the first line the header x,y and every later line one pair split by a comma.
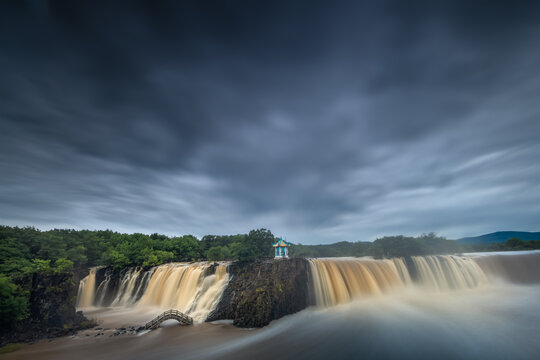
x,y
281,248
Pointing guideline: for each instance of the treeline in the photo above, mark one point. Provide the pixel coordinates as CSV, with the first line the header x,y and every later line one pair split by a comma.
x,y
385,247
28,249
404,246
513,244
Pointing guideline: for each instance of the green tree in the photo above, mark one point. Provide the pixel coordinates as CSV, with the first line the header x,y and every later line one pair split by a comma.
x,y
116,258
13,302
259,243
246,254
515,243
62,265
52,246
77,255
151,260
214,253
234,249
163,256
185,248
226,253
42,266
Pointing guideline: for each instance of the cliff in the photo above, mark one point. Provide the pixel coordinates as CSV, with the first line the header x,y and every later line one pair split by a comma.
x,y
262,291
51,309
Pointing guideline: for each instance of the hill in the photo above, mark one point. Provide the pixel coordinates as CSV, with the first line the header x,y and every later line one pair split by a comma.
x,y
500,236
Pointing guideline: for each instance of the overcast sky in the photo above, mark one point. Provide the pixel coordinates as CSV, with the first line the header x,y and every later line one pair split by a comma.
x,y
322,121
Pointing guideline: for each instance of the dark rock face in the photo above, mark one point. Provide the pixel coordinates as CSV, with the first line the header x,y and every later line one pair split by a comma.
x,y
262,291
52,310
52,300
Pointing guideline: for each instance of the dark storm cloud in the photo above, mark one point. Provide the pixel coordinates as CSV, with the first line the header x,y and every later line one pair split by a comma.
x,y
322,121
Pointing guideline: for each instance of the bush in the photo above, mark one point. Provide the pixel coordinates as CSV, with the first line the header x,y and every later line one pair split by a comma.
x,y
259,244
62,265
13,302
214,253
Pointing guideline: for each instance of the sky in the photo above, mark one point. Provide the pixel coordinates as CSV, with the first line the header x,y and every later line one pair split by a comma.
x,y
322,121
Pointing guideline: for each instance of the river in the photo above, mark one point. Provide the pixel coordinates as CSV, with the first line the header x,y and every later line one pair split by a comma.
x,y
479,306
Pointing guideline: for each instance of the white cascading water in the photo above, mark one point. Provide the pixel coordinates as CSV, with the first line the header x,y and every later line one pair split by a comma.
x,y
181,286
448,272
85,295
341,280
185,288
129,286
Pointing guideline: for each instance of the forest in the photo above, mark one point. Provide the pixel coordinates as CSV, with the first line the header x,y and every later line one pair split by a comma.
x,y
403,246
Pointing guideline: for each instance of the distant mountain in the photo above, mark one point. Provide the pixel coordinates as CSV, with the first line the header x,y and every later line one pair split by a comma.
x,y
500,236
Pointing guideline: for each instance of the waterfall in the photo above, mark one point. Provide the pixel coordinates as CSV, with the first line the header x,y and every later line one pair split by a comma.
x,y
209,294
515,267
190,288
85,295
341,280
127,293
101,290
448,272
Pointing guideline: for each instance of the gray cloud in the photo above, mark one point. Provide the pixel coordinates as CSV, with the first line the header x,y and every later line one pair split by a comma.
x,y
323,123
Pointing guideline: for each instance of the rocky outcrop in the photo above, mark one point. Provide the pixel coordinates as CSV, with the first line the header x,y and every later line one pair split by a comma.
x,y
262,291
51,309
52,301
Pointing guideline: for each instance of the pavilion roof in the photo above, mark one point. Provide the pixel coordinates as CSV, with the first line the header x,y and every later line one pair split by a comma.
x,y
281,243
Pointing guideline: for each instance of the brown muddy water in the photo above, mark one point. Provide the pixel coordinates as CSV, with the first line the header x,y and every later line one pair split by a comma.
x,y
468,307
